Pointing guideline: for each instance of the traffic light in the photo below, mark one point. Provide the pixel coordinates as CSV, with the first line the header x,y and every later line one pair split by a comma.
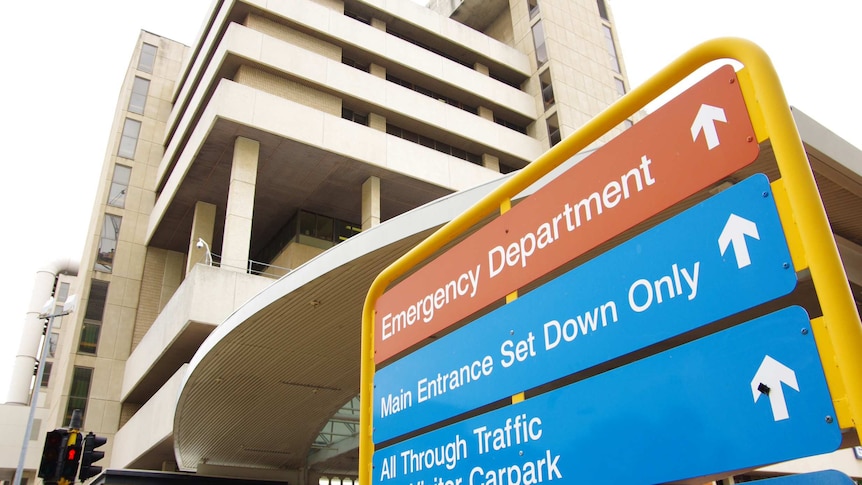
x,y
53,455
90,455
71,456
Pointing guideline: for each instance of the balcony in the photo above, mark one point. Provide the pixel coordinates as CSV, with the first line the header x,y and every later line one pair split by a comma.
x,y
204,300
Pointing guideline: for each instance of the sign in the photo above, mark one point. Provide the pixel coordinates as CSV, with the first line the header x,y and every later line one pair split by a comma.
x,y
692,142
827,477
722,256
679,414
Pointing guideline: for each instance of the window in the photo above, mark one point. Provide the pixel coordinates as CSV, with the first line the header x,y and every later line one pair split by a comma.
x,y
362,66
539,43
93,317
46,374
63,292
129,139
621,86
148,58
612,48
533,5
357,16
108,243
52,344
547,88
431,143
553,123
603,10
138,99
119,186
79,391
349,114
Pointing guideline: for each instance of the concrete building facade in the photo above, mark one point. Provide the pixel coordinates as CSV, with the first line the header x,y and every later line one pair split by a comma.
x,y
257,181
287,128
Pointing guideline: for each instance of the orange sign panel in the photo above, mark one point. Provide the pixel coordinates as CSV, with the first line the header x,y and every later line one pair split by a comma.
x,y
695,140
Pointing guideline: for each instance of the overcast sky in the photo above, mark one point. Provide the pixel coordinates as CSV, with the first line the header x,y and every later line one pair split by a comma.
x,y
65,63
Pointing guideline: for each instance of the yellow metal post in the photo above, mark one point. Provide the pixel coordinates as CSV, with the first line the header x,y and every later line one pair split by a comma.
x,y
772,115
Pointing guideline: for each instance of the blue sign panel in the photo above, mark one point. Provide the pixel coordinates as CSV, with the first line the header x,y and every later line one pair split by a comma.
x,y
827,477
745,397
722,256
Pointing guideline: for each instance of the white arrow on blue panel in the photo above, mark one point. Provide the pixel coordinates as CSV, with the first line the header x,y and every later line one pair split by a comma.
x,y
734,233
768,380
705,121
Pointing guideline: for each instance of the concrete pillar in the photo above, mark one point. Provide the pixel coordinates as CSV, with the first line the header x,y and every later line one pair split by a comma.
x,y
377,122
240,205
491,162
370,203
378,24
486,113
377,70
481,68
203,226
31,334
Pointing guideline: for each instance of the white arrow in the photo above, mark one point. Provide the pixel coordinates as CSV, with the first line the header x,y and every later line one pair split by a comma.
x,y
734,232
768,379
705,121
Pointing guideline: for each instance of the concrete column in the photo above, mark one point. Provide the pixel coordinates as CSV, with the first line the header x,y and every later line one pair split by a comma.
x,y
377,70
370,203
486,113
240,205
203,226
491,162
31,334
481,68
377,122
378,24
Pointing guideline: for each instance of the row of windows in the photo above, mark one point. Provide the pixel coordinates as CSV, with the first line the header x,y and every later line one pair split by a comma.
x,y
79,391
432,143
367,21
303,225
431,94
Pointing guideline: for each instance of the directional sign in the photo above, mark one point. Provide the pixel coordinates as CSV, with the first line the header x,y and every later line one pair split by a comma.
x,y
692,142
683,413
669,280
827,477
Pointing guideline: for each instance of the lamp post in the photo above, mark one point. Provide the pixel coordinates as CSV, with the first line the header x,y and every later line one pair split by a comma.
x,y
201,244
68,307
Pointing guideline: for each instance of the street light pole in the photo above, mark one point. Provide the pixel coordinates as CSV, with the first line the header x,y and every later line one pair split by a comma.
x,y
34,396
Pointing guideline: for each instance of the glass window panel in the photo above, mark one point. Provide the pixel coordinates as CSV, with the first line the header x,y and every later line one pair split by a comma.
x,y
79,391
547,88
307,224
148,58
612,48
554,135
52,344
621,86
129,138
89,337
138,99
119,186
46,374
533,5
539,43
324,228
603,9
96,301
63,292
345,230
108,243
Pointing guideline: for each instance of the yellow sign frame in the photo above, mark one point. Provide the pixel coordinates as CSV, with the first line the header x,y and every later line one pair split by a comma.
x,y
838,332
